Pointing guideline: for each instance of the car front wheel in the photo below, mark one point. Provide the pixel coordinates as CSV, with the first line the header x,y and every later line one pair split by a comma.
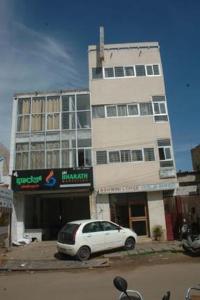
x,y
83,253
129,243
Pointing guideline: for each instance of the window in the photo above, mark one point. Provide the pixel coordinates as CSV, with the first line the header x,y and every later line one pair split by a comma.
x,y
52,159
38,105
92,227
140,70
152,70
107,226
129,71
119,72
68,120
125,155
109,72
159,108
69,158
149,154
114,156
37,159
84,157
111,111
21,162
53,104
133,109
53,121
146,109
37,122
68,103
98,111
24,105
97,73
23,123
137,155
101,157
165,153
83,102
83,119
122,110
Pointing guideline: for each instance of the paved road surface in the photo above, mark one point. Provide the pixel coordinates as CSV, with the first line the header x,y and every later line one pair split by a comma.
x,y
152,281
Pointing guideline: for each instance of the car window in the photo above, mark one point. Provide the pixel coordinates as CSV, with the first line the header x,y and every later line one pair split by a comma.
x,y
109,226
92,227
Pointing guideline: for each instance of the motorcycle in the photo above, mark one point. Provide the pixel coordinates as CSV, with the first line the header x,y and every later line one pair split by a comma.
x,y
122,285
190,242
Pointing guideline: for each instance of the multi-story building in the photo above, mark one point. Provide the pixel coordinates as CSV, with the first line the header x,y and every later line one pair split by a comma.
x,y
115,163
195,152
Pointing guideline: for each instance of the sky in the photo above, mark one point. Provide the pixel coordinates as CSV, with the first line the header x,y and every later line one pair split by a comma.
x,y
43,46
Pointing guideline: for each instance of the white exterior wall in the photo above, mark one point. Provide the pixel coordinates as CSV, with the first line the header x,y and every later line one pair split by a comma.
x,y
17,230
103,207
156,211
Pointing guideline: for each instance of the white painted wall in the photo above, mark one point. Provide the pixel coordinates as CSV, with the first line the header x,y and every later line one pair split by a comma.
x,y
156,211
18,219
103,207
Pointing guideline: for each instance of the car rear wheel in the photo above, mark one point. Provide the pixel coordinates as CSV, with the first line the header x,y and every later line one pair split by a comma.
x,y
129,243
83,253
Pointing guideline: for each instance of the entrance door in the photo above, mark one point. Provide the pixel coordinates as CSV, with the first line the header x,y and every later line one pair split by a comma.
x,y
138,217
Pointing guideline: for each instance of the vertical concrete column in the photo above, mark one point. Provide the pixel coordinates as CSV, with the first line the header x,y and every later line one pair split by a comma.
x,y
156,211
93,208
18,218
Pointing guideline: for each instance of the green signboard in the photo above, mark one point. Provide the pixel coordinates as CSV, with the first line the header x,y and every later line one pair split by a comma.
x,y
52,179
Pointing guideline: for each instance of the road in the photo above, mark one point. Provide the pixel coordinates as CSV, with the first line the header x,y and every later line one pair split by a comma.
x,y
151,280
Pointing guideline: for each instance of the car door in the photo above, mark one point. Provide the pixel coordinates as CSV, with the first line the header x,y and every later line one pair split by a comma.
x,y
113,235
93,236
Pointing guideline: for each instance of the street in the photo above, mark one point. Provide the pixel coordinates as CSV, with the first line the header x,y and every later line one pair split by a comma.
x,y
151,280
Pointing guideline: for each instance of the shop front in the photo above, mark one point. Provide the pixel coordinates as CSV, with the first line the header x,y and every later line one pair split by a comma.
x,y
46,199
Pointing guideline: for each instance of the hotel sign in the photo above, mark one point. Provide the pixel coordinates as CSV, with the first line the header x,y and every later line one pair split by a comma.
x,y
52,179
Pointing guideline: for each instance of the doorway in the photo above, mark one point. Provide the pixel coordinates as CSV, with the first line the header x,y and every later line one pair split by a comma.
x,y
138,217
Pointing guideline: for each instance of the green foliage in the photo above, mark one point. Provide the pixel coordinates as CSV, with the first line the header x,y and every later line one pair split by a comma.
x,y
157,232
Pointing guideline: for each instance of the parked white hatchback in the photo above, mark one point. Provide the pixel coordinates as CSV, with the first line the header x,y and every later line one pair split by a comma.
x,y
83,237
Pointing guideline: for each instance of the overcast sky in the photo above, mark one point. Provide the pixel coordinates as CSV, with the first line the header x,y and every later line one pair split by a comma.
x,y
43,46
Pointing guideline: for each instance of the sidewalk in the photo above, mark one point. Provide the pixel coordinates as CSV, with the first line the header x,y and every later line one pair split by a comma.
x,y
42,256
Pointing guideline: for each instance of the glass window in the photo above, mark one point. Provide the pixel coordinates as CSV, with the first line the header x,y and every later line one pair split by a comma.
x,y
140,70
159,108
132,109
24,105
53,159
165,153
111,111
97,73
109,72
114,156
122,110
166,163
69,158
22,147
21,162
119,72
149,154
161,118
164,142
125,155
129,71
68,103
149,70
98,111
137,155
53,121
83,119
84,142
146,109
68,121
37,160
37,146
83,101
92,227
53,145
156,70
107,226
101,157
37,122
38,105
23,123
158,98
53,104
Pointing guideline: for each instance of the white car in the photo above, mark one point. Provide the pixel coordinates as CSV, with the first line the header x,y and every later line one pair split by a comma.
x,y
83,237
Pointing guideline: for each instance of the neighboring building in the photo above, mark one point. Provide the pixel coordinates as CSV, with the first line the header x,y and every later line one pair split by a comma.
x,y
195,152
4,166
132,147
57,148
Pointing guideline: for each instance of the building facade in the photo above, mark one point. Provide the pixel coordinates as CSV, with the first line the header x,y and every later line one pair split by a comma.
x,y
131,140
195,152
102,153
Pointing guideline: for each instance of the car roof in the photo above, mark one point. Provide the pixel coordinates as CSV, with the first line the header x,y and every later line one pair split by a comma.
x,y
84,221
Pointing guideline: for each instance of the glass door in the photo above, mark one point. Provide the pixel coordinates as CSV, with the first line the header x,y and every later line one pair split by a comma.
x,y
138,217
